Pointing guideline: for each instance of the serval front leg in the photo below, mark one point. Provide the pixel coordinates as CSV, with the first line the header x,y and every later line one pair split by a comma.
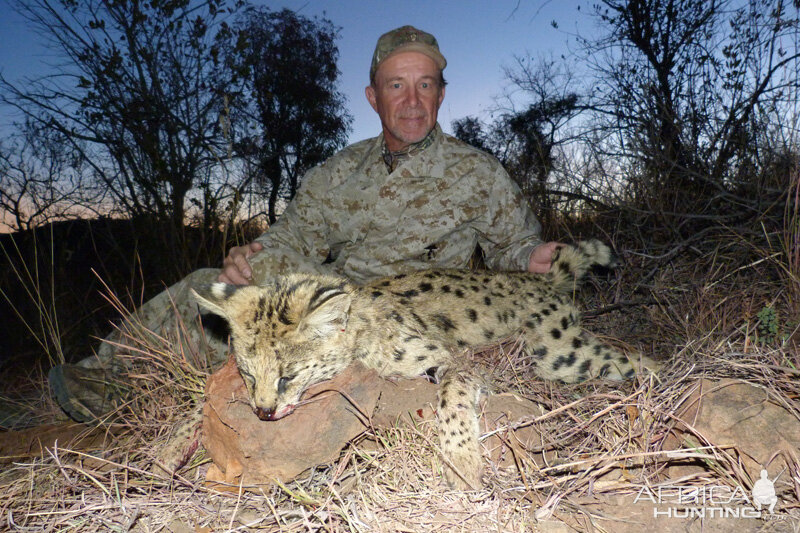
x,y
457,416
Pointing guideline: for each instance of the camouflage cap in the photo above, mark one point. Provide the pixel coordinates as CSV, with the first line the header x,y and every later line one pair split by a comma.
x,y
406,39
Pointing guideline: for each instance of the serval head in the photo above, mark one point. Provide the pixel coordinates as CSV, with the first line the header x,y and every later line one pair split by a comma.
x,y
287,335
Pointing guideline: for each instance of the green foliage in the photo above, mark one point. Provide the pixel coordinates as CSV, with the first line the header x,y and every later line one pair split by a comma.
x,y
769,328
767,325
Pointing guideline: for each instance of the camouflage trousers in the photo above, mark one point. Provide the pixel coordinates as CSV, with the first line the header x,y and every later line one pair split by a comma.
x,y
171,319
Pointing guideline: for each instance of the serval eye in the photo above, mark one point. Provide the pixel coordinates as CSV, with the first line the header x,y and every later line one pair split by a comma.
x,y
282,384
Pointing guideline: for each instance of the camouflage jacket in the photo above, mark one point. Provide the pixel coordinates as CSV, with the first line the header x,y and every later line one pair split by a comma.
x,y
430,212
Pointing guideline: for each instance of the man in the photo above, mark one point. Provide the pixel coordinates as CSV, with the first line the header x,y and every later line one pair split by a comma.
x,y
411,198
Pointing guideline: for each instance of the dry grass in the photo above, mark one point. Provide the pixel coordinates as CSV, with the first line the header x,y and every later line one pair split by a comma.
x,y
600,441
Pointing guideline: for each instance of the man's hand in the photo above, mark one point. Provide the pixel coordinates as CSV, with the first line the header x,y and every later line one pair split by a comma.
x,y
235,269
542,257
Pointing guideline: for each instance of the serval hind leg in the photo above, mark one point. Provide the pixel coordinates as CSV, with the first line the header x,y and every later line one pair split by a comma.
x,y
457,416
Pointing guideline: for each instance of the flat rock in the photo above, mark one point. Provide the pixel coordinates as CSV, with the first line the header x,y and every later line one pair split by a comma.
x,y
741,417
511,440
33,442
250,451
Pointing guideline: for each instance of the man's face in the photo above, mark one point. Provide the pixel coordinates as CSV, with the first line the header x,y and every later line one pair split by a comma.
x,y
406,95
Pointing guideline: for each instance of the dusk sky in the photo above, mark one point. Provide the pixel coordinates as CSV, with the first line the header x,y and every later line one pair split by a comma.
x,y
478,38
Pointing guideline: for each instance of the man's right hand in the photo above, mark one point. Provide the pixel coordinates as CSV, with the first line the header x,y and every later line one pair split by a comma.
x,y
235,268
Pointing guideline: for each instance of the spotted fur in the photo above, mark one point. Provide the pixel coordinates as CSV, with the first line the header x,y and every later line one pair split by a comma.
x,y
298,330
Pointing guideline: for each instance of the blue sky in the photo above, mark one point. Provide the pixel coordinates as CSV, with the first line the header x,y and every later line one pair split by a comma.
x,y
478,37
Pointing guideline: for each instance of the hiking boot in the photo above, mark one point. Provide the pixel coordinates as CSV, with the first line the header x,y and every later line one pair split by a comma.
x,y
87,395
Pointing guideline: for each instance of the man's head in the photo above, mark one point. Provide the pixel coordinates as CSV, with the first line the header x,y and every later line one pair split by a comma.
x,y
406,85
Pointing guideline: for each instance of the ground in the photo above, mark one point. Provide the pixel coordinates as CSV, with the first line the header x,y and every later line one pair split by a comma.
x,y
698,313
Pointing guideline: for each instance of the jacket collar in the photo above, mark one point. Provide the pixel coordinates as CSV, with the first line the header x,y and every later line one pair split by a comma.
x,y
392,160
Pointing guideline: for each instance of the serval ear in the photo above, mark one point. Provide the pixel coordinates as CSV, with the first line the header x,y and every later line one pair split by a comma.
x,y
215,297
327,312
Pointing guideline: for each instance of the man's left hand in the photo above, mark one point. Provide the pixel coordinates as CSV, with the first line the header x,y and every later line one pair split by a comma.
x,y
542,257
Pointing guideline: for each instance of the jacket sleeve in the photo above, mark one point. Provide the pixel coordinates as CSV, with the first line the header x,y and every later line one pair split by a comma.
x,y
301,231
511,230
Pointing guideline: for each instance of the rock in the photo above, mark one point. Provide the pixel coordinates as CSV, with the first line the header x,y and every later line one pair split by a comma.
x,y
502,417
34,442
250,451
412,401
407,400
732,413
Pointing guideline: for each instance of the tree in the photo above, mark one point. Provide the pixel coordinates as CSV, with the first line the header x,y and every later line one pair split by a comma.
x,y
138,93
297,110
42,180
687,88
472,131
525,141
